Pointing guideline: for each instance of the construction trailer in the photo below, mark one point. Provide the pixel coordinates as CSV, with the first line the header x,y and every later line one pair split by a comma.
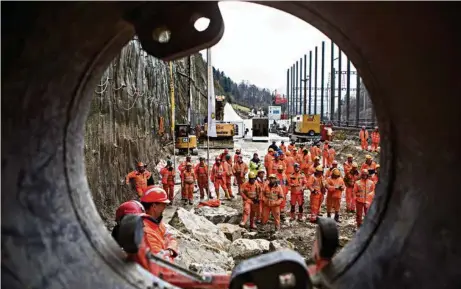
x,y
305,127
260,129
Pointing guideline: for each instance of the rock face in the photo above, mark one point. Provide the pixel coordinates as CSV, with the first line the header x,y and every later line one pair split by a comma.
x,y
123,124
232,232
276,245
221,214
199,228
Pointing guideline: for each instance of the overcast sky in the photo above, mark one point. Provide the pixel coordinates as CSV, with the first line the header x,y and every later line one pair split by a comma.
x,y
260,43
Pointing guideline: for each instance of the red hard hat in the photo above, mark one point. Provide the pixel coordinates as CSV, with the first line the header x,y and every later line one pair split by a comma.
x,y
127,208
154,194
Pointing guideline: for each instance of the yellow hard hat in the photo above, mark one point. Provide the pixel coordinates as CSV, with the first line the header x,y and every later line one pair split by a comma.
x,y
335,172
280,167
271,149
288,154
365,172
319,169
368,157
272,176
355,165
251,175
349,156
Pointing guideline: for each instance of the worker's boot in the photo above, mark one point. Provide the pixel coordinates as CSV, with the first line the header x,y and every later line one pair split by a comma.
x,y
337,217
300,217
190,202
292,216
328,215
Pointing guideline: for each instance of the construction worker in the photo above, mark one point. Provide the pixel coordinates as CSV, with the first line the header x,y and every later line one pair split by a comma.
x,y
251,192
348,163
349,179
297,184
139,178
331,155
255,164
181,169
188,179
276,163
283,147
335,186
334,165
157,239
268,160
375,176
315,151
363,135
362,188
240,170
218,177
262,185
305,161
132,207
283,182
236,157
201,172
223,155
369,164
375,139
316,185
168,175
291,147
272,198
301,153
312,168
289,163
325,152
296,156
228,167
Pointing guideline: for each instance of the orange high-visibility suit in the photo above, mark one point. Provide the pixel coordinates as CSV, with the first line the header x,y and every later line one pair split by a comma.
x,y
188,179
140,180
305,163
331,156
168,182
251,197
347,167
240,170
375,139
349,180
367,167
158,240
181,169
361,190
315,152
317,187
328,172
297,183
325,153
262,186
272,198
268,159
275,164
300,156
289,164
335,189
311,169
228,167
283,148
218,177
283,183
291,148
201,172
363,135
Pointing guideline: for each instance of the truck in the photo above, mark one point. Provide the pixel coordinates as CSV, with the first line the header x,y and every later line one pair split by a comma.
x,y
305,127
260,129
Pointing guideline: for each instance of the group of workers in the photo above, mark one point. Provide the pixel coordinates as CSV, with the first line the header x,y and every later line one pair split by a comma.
x,y
375,139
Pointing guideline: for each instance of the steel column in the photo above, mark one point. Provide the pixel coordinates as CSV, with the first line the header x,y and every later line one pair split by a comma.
x,y
348,90
322,81
339,85
287,106
300,111
357,100
315,79
292,89
310,81
332,86
296,88
305,84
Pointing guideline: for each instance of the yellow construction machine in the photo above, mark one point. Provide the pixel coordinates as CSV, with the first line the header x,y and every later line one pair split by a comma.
x,y
185,142
225,131
306,127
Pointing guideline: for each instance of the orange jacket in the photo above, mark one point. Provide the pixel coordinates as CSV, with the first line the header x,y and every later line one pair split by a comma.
x,y
273,196
305,161
283,148
315,152
182,167
363,135
283,181
347,167
236,158
331,155
240,169
201,172
157,239
375,137
250,192
218,172
289,165
297,183
366,166
140,179
167,176
188,177
335,186
311,170
228,168
316,184
268,159
290,148
350,179
274,166
362,188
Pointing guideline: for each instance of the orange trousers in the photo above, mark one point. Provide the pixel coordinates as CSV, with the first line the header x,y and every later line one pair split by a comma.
x,y
229,187
219,183
203,187
325,160
275,210
189,191
316,201
139,191
284,202
169,189
333,204
364,144
250,210
350,199
296,198
361,211
374,146
239,181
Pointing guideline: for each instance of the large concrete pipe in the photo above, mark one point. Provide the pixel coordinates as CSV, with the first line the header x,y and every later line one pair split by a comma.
x,y
54,53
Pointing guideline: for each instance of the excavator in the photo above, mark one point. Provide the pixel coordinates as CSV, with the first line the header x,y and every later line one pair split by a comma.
x,y
281,269
225,131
